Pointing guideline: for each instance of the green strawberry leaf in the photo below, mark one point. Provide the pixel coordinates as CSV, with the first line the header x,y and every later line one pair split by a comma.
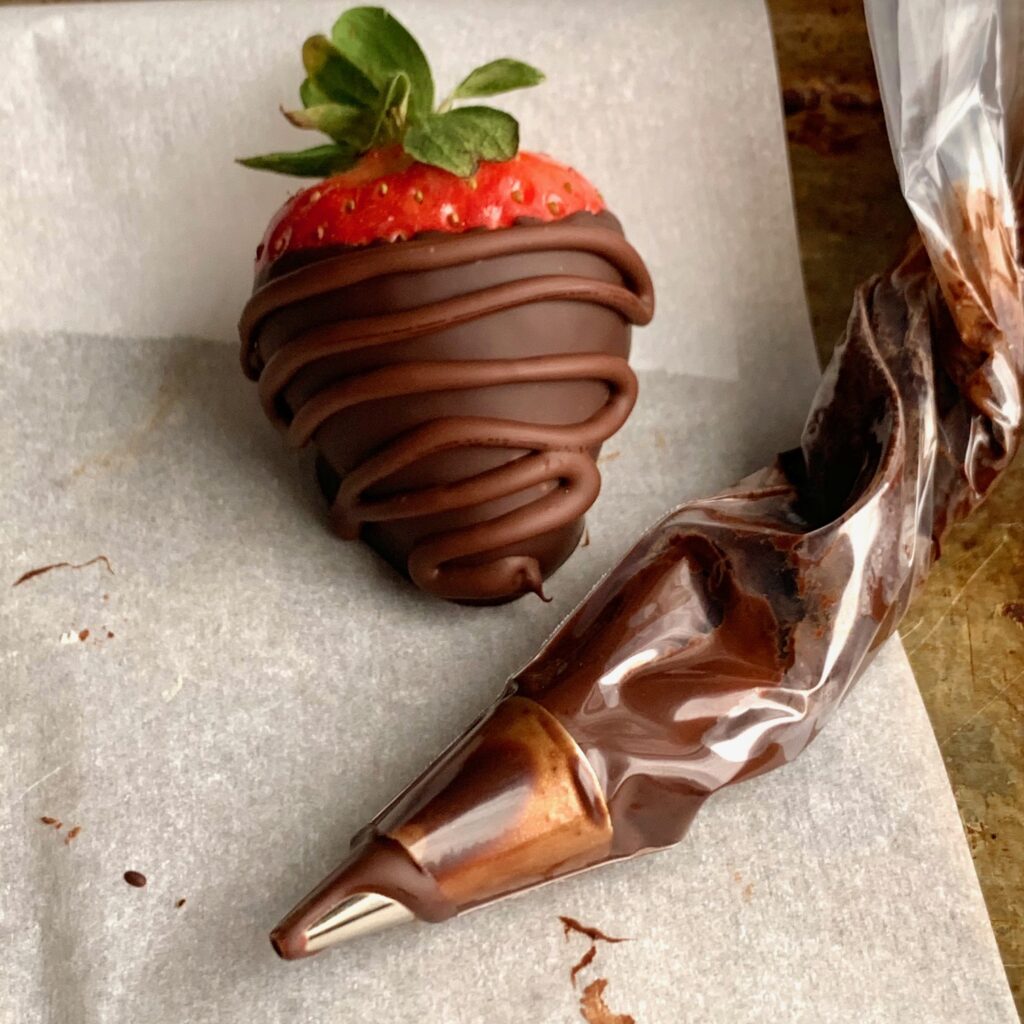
x,y
318,162
335,75
502,75
349,126
379,46
391,110
459,139
370,85
311,96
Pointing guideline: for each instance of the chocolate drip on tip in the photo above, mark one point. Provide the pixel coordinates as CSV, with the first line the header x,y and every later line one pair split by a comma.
x,y
513,804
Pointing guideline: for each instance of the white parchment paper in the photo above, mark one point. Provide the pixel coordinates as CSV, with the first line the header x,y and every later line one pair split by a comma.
x,y
251,689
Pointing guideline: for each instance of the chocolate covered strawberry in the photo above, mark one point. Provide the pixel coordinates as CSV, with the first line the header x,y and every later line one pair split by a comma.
x,y
446,318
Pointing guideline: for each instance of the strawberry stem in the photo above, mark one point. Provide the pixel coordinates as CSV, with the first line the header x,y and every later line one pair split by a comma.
x,y
370,85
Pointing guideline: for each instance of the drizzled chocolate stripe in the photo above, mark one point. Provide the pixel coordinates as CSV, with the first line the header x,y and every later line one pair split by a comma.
x,y
435,253
558,459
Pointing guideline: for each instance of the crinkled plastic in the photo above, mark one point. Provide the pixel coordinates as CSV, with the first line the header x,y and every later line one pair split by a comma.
x,y
723,642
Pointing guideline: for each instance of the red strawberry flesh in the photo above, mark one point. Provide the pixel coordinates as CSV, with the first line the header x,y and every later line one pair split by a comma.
x,y
387,197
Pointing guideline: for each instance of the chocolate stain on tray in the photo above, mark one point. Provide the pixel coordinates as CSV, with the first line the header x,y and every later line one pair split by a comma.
x,y
72,835
830,117
32,573
1014,611
135,878
179,903
48,821
594,1010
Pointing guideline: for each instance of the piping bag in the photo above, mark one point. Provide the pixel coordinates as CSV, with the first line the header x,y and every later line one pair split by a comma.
x,y
722,643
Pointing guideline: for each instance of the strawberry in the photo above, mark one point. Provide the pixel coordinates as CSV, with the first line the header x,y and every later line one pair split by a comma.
x,y
451,324
396,167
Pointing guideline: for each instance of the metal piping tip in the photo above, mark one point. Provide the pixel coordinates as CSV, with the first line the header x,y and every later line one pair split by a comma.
x,y
376,887
513,804
360,914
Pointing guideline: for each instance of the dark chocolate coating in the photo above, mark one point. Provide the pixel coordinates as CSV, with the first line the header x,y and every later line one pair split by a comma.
x,y
458,389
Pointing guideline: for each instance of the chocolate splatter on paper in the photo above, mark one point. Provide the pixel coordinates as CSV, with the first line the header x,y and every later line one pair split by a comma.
x,y
747,893
32,573
584,961
135,878
570,924
80,636
56,824
593,1008
179,903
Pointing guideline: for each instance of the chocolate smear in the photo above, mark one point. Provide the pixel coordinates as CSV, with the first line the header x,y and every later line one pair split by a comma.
x,y
593,1008
570,924
32,573
584,961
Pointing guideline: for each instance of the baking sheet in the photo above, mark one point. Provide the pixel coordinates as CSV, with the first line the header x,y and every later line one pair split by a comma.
x,y
251,689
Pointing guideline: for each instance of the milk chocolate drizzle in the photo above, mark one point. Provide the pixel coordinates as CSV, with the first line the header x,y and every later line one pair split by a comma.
x,y
558,459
